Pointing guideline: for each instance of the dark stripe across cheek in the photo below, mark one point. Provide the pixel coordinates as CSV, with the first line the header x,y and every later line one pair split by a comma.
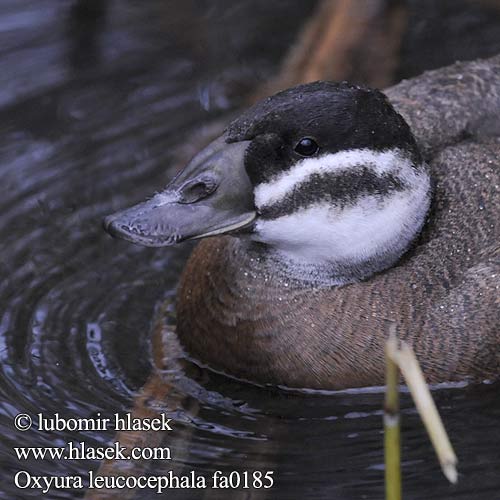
x,y
338,189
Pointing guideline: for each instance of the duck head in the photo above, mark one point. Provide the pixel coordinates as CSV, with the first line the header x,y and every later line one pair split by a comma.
x,y
327,176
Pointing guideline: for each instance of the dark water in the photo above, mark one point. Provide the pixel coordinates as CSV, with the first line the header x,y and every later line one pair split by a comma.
x,y
97,103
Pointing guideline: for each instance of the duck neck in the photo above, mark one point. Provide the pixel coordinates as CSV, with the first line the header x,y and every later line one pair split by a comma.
x,y
326,273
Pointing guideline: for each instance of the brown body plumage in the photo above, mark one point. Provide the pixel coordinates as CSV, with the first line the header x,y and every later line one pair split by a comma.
x,y
242,316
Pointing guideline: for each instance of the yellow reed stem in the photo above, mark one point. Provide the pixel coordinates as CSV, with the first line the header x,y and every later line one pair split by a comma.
x,y
408,364
392,438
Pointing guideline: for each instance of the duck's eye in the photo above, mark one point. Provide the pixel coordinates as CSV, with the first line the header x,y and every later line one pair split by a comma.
x,y
306,147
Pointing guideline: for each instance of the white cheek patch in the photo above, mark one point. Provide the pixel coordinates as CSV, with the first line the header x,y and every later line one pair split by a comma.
x,y
379,161
375,225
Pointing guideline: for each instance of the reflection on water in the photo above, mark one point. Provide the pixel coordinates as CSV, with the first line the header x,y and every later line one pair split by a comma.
x,y
97,99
